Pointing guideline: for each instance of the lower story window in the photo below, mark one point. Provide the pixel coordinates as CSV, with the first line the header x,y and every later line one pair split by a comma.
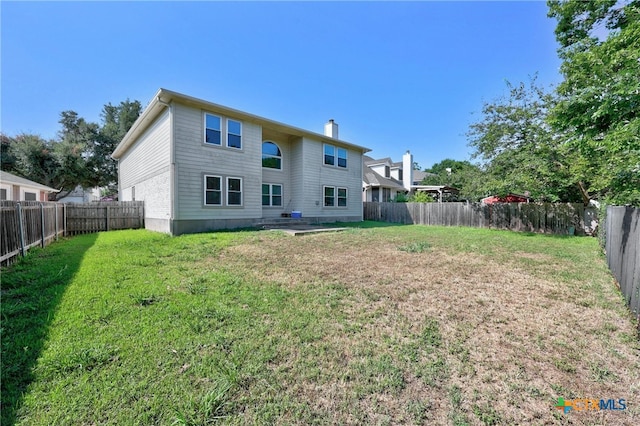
x,y
342,197
213,190
335,196
329,196
271,195
234,191
215,187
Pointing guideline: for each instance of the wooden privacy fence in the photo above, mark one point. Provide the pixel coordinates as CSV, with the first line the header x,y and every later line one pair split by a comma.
x,y
106,216
622,244
530,217
26,224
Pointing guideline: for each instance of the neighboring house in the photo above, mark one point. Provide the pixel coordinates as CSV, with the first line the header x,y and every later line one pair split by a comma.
x,y
201,166
383,180
16,188
81,195
509,198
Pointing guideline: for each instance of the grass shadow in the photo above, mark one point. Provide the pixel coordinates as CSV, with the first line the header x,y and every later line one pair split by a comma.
x,y
32,289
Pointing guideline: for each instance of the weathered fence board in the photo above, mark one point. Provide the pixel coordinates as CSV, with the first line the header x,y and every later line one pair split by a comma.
x,y
622,244
106,216
26,224
530,217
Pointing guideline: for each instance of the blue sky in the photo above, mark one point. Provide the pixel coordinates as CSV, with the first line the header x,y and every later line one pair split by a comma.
x,y
393,75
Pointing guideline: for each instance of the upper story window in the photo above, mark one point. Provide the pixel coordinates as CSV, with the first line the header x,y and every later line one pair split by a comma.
x,y
213,129
329,155
387,171
271,156
234,134
342,157
335,156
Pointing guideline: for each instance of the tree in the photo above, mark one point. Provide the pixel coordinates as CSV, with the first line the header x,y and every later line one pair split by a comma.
x,y
519,150
463,175
599,100
33,159
116,122
81,155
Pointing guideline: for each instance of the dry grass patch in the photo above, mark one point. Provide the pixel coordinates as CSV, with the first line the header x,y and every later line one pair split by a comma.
x,y
442,335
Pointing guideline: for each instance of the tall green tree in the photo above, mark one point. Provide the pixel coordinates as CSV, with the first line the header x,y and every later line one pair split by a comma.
x,y
463,175
33,158
599,100
116,122
81,154
520,153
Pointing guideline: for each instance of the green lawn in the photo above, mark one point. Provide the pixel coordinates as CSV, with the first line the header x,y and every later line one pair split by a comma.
x,y
374,325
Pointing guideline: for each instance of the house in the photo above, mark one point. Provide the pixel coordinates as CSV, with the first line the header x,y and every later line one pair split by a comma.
x,y
201,166
509,198
81,195
16,188
383,180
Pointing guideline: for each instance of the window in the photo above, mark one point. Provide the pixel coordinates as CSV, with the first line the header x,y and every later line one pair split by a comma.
x,y
330,154
3,194
400,174
342,197
213,190
335,196
30,196
271,156
329,194
234,191
213,129
342,157
387,171
234,134
271,195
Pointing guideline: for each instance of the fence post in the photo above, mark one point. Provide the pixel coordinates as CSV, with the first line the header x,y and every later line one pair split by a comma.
x,y
64,219
42,240
55,217
21,228
107,218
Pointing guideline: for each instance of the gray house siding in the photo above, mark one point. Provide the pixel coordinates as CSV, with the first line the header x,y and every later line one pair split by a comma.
x,y
194,159
144,173
316,176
